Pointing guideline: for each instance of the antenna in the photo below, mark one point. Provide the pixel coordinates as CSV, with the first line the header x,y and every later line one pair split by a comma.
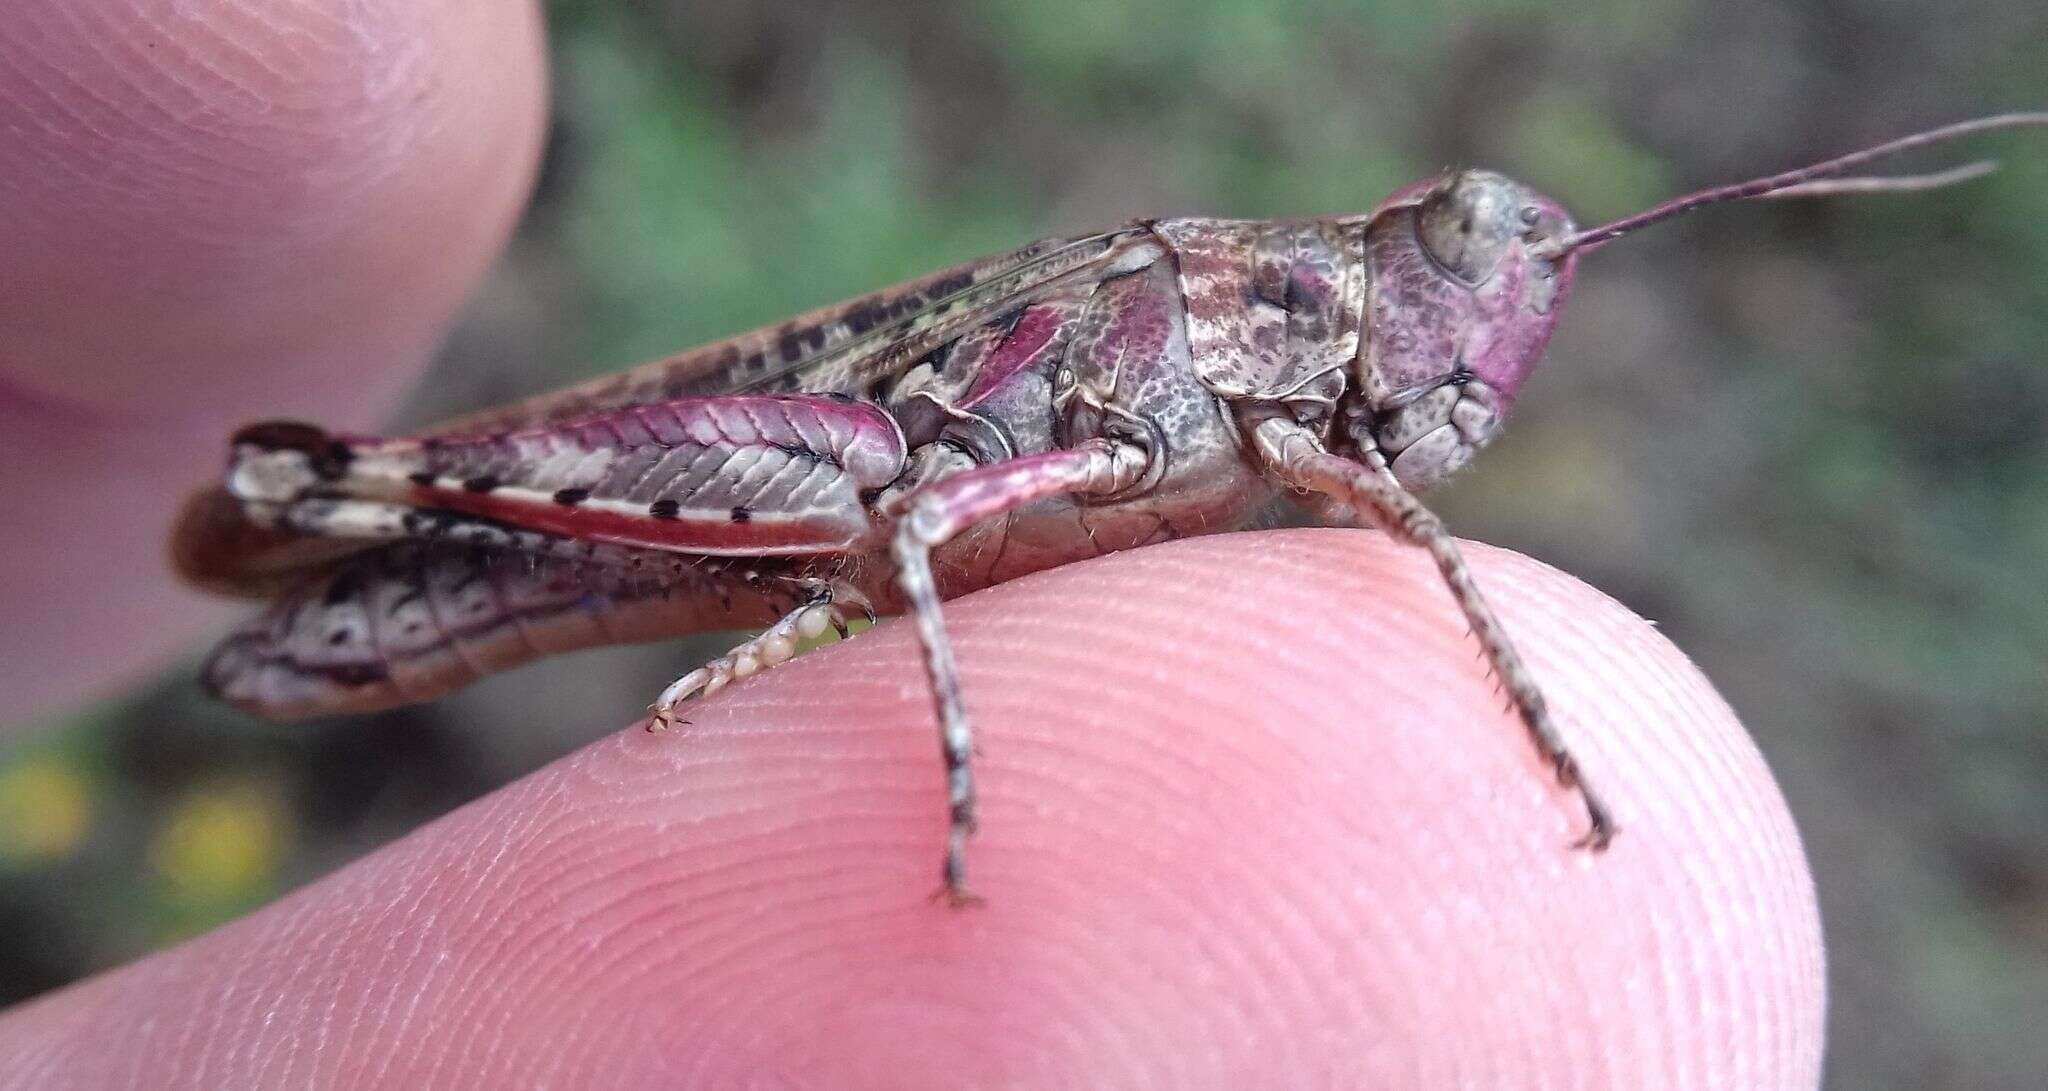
x,y
1822,179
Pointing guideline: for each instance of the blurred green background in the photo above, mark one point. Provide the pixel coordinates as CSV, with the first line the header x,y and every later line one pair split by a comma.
x,y
1809,439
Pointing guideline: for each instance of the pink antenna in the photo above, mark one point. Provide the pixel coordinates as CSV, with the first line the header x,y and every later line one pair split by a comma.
x,y
1811,181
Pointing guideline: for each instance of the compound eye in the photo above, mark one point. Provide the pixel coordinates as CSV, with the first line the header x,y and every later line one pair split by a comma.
x,y
1466,226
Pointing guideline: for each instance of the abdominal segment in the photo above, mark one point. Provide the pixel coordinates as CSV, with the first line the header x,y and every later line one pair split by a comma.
x,y
411,621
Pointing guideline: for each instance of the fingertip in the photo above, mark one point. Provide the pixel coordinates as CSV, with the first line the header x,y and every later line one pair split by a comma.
x,y
291,198
212,212
1251,816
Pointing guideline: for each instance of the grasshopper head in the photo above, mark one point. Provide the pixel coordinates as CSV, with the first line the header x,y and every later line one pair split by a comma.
x,y
1468,271
1461,303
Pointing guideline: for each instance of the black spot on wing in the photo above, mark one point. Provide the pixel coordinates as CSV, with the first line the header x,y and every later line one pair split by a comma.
x,y
862,318
797,342
958,282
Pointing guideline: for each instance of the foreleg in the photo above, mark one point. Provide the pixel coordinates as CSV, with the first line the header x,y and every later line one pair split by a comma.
x,y
1298,458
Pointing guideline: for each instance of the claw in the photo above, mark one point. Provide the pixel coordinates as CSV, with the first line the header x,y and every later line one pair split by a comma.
x,y
957,897
703,680
860,602
1600,827
663,719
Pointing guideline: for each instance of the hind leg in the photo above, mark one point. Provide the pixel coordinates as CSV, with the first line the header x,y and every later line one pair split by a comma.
x,y
931,517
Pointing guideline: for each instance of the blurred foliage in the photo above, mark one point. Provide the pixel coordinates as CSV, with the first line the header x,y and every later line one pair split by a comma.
x,y
46,808
1810,438
217,852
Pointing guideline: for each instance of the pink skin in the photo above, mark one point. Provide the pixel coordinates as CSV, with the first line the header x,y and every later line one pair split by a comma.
x,y
242,210
1252,817
1252,814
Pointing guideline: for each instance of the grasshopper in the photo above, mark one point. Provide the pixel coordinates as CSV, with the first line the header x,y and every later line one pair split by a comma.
x,y
1075,397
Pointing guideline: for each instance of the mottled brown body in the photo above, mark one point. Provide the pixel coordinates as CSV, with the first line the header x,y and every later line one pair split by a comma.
x,y
570,586
810,471
1072,398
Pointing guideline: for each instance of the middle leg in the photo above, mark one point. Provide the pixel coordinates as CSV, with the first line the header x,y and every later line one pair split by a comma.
x,y
823,605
